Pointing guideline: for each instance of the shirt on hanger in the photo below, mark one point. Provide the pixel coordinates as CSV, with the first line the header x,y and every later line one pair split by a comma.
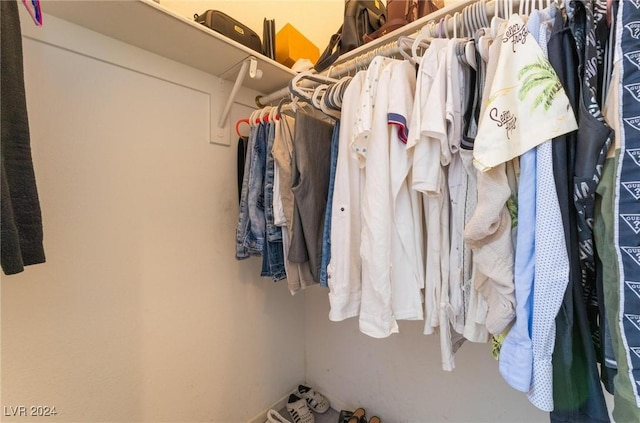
x,y
345,268
526,104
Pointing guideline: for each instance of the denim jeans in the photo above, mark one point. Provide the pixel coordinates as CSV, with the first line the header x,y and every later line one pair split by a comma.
x,y
326,234
273,255
246,245
250,233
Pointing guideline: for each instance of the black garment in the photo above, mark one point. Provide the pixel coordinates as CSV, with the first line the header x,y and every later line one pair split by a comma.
x,y
577,394
20,217
594,140
243,144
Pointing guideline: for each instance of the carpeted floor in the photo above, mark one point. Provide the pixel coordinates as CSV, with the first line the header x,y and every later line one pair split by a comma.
x,y
330,416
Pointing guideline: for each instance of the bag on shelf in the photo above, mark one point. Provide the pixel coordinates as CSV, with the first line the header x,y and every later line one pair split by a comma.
x,y
361,17
402,12
230,28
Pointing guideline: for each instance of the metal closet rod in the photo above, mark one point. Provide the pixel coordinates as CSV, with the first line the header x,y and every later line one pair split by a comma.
x,y
388,46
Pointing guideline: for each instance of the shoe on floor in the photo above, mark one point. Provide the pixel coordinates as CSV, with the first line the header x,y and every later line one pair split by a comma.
x,y
298,410
316,401
274,417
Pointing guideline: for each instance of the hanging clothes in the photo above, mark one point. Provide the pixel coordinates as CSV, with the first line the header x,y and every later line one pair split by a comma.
x,y
272,254
470,195
577,392
21,218
298,274
626,239
625,408
310,169
345,267
371,146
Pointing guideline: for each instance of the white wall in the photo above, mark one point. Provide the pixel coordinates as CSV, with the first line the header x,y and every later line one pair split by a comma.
x,y
400,378
141,312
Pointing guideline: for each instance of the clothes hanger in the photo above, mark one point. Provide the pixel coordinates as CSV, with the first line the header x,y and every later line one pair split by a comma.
x,y
423,36
470,53
483,18
318,92
466,19
333,97
253,120
455,24
403,46
35,10
322,104
446,25
339,91
460,53
264,114
328,96
304,93
273,114
482,44
280,107
238,123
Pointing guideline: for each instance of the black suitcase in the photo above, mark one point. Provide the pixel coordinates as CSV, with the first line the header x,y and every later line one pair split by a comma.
x,y
230,28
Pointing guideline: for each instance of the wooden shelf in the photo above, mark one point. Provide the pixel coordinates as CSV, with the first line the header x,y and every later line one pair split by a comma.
x,y
150,26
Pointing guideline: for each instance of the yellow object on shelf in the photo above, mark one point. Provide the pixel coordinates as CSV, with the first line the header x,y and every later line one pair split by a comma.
x,y
291,45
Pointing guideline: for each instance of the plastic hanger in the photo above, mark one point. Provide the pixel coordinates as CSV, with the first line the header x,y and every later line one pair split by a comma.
x,y
403,45
455,24
322,105
466,19
253,117
483,18
446,26
423,36
318,92
337,92
273,114
303,93
470,54
279,107
238,123
35,10
482,45
264,114
343,84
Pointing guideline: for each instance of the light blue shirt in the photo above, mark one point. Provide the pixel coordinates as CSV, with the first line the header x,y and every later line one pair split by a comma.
x,y
551,273
516,353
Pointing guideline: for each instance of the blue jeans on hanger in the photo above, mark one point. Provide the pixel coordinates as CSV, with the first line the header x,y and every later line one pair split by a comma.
x,y
326,234
250,232
273,254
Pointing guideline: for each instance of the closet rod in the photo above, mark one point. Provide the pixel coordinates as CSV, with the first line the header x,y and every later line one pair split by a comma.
x,y
388,46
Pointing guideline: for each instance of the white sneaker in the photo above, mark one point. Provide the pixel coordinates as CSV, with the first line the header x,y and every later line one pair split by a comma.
x,y
298,410
316,401
274,417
